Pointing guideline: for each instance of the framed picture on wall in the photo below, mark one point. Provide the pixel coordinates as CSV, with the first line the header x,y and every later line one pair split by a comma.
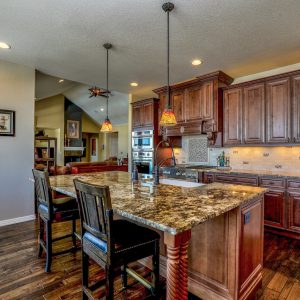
x,y
7,122
73,129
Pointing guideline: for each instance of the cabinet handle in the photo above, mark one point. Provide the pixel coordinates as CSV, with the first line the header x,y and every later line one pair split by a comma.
x,y
294,140
288,139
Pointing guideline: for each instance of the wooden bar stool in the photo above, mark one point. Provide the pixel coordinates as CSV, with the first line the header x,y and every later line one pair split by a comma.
x,y
52,210
112,243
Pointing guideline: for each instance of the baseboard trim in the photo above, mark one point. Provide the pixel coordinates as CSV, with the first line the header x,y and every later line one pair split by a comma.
x,y
17,220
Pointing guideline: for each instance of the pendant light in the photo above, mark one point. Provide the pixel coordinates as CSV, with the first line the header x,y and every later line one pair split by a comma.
x,y
106,126
168,117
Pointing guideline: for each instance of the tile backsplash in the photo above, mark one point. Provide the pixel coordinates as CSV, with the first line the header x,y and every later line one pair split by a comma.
x,y
247,158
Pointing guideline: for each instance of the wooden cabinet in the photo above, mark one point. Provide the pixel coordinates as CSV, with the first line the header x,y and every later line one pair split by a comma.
x,y
278,111
296,109
197,105
178,105
274,208
194,103
293,222
144,114
233,117
254,114
137,114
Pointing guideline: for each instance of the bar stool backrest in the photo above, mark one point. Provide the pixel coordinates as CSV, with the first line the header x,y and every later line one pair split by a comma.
x,y
95,210
42,189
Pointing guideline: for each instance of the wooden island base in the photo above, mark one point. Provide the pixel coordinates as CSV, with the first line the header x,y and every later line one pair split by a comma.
x,y
225,256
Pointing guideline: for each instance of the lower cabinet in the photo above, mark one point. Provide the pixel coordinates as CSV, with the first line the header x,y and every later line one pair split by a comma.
x,y
281,202
293,222
274,208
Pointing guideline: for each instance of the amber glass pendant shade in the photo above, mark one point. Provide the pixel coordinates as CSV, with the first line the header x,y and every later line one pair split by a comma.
x,y
106,126
168,118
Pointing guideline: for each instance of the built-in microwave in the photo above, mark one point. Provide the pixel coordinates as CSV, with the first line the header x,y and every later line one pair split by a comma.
x,y
142,140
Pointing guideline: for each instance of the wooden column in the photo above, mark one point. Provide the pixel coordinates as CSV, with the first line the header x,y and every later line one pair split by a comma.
x,y
177,265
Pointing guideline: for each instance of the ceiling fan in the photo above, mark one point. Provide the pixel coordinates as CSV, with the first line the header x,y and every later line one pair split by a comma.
x,y
95,91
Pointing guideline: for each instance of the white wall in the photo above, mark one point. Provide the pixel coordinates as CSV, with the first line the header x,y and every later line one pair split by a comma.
x,y
16,153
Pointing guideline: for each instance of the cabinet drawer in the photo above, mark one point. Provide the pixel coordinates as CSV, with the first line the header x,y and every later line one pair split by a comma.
x,y
237,179
293,184
270,182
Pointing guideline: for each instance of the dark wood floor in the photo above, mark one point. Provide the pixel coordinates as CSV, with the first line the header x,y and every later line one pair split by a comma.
x,y
22,274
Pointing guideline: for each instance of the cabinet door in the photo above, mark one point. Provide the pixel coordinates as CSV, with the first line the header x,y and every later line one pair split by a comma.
x,y
254,114
178,105
194,104
278,111
294,211
137,113
233,117
296,110
207,97
274,208
148,114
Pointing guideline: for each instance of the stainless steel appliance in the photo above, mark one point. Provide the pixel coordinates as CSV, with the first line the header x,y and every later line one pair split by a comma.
x,y
142,140
143,160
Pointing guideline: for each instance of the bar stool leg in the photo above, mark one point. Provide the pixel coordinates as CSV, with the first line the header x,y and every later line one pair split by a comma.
x,y
41,236
73,233
124,276
155,272
85,274
109,283
48,246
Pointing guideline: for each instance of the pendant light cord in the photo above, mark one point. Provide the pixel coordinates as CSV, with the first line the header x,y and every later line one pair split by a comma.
x,y
107,84
168,59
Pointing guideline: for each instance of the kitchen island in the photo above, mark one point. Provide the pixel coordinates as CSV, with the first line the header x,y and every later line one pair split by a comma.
x,y
213,234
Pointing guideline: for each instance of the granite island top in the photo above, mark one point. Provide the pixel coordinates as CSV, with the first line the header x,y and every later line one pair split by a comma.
x,y
168,208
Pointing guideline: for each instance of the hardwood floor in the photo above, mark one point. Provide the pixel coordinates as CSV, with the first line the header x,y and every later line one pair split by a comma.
x,y
22,274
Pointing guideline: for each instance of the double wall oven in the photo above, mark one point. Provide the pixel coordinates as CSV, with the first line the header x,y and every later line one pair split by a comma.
x,y
142,151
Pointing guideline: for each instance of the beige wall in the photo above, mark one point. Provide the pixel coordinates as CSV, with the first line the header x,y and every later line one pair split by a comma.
x,y
88,125
16,153
50,114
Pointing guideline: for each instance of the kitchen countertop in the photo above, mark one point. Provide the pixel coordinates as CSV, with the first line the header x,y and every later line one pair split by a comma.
x,y
169,208
273,174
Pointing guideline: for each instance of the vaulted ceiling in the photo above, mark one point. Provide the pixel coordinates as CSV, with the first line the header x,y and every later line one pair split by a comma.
x,y
64,38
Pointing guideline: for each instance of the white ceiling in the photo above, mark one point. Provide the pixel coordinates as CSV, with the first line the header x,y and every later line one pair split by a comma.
x,y
64,38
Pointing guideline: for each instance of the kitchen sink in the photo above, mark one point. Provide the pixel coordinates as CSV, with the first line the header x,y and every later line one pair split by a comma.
x,y
181,183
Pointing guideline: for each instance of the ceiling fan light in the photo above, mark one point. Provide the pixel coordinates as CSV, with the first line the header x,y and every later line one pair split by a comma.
x,y
106,126
168,118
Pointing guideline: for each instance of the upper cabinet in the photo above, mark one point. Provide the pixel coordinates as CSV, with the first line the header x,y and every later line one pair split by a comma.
x,y
144,114
254,114
278,111
270,111
233,117
197,104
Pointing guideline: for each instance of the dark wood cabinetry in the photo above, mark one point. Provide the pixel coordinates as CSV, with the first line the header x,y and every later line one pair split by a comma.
x,y
144,113
281,201
278,111
296,108
197,104
293,222
274,208
254,114
233,117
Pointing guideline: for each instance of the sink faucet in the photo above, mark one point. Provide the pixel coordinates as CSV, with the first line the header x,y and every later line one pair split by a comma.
x,y
167,141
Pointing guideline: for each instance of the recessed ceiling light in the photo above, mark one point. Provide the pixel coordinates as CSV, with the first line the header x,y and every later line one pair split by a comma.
x,y
102,109
134,84
196,62
61,80
4,45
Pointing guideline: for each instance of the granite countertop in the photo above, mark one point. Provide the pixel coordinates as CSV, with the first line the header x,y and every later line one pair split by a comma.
x,y
274,174
168,208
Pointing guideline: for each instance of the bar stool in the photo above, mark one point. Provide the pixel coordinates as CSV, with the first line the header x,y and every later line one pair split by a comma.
x,y
112,243
51,210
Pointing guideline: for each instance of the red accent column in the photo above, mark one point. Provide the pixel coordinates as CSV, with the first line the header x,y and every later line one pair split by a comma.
x,y
177,265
